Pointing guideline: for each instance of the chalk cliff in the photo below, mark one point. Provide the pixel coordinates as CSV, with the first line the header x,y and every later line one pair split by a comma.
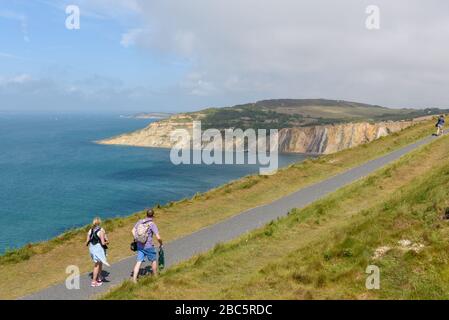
x,y
332,138
155,135
323,139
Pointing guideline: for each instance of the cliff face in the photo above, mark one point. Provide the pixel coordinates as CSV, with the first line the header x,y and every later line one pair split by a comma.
x,y
333,138
318,139
155,135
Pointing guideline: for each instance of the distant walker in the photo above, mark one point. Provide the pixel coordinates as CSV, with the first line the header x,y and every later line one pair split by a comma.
x,y
440,125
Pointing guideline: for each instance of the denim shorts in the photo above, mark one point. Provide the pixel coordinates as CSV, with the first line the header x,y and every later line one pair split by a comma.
x,y
149,253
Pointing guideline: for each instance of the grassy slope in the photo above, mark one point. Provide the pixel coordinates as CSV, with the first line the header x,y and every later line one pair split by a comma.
x,y
39,265
322,251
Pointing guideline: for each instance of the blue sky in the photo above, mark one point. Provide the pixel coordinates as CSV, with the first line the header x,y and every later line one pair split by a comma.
x,y
36,46
144,55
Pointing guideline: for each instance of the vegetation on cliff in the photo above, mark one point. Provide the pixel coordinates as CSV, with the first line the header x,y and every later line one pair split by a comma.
x,y
288,113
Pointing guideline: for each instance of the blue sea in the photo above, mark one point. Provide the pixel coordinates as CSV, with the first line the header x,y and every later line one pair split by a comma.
x,y
53,177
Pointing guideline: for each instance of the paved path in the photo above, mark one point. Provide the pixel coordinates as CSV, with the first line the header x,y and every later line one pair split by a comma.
x,y
206,238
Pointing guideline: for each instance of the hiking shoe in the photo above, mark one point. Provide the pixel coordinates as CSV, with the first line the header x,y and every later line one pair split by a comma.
x,y
95,284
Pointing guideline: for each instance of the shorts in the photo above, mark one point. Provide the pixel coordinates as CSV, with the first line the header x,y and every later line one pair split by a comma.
x,y
149,253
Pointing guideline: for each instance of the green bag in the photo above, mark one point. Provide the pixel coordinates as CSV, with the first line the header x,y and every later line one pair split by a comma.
x,y
161,260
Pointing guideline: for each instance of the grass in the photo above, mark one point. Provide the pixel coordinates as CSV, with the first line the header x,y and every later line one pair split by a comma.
x,y
323,250
39,265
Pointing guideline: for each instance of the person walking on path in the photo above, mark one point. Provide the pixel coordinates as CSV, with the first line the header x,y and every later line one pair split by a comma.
x,y
97,241
143,233
440,125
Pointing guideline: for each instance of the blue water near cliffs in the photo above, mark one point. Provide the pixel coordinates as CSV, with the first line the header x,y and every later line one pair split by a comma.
x,y
53,177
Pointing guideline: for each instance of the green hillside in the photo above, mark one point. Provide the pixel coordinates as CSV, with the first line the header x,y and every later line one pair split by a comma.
x,y
285,113
322,251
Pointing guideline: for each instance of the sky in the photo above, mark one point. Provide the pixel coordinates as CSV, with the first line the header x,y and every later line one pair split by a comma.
x,y
175,55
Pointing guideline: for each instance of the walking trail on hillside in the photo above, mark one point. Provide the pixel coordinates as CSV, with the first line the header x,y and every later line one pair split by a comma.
x,y
206,238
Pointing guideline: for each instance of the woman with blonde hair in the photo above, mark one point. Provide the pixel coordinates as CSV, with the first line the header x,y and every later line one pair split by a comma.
x,y
97,241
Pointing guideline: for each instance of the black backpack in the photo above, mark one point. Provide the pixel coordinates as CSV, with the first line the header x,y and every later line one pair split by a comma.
x,y
94,238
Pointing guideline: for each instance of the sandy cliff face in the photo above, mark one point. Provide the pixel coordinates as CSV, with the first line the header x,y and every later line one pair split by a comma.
x,y
156,135
333,138
318,139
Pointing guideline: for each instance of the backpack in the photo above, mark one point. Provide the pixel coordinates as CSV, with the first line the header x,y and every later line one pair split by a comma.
x,y
94,238
142,231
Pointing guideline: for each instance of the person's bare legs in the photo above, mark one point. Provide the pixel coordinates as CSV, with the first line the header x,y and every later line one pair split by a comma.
x,y
136,271
100,272
154,268
95,273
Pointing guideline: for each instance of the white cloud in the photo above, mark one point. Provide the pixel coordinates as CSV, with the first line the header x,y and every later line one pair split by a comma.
x,y
24,92
7,55
129,38
299,48
195,85
22,78
17,79
236,51
21,18
105,9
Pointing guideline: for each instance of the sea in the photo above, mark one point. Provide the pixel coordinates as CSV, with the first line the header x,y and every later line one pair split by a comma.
x,y
53,177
